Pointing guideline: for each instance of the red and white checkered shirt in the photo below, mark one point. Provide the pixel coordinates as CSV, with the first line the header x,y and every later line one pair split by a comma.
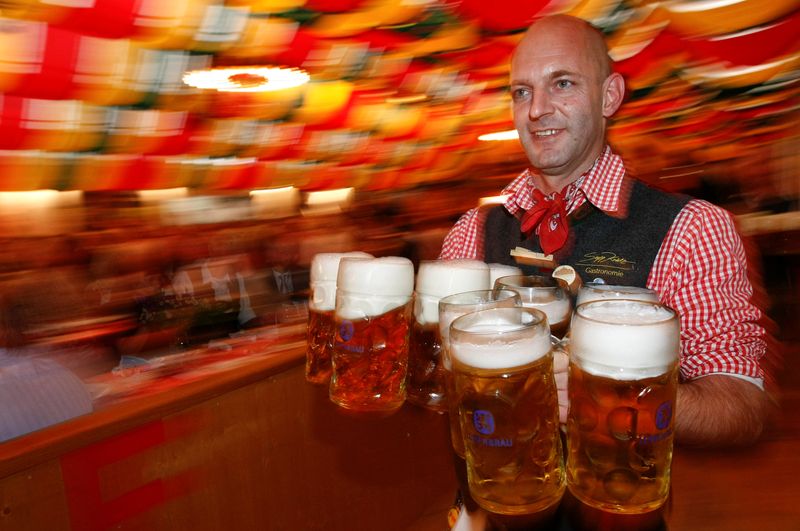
x,y
700,270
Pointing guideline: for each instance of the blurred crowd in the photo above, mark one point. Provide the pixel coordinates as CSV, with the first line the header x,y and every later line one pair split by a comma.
x,y
125,284
122,280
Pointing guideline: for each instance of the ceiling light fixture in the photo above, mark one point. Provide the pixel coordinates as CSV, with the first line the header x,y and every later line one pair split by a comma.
x,y
246,79
501,135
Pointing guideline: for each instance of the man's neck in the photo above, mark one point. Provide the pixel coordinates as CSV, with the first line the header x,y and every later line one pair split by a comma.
x,y
549,184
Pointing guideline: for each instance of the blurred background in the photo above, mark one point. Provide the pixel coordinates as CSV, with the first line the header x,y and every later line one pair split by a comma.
x,y
123,178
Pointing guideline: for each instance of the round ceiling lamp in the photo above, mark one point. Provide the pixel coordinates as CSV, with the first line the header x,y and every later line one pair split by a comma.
x,y
246,79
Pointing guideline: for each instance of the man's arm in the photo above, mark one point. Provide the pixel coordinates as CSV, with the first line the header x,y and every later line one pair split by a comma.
x,y
719,410
462,240
705,279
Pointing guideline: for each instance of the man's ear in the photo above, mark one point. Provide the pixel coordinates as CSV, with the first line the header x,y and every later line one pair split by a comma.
x,y
613,93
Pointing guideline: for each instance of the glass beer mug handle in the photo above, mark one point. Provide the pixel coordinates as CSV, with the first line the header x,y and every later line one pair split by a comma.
x,y
560,375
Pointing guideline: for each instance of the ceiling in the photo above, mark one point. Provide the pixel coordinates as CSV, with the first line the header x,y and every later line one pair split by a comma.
x,y
400,90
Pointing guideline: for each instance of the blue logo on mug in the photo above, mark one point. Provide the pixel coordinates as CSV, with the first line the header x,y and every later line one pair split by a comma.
x,y
663,415
346,330
483,421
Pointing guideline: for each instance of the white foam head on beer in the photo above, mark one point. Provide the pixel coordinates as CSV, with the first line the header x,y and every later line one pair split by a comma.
x,y
490,345
373,286
446,318
440,278
542,293
458,304
625,339
501,270
322,281
557,310
595,292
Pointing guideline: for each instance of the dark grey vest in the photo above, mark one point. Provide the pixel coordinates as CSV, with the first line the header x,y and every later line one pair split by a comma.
x,y
617,250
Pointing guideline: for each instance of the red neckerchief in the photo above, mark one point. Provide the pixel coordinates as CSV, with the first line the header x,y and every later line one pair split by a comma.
x,y
548,217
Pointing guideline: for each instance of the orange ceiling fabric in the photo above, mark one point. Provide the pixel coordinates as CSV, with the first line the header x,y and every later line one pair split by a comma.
x,y
91,95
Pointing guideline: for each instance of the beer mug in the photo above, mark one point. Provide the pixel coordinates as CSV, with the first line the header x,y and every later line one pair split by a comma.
x,y
501,270
593,291
372,319
425,383
545,294
503,371
321,303
623,379
450,308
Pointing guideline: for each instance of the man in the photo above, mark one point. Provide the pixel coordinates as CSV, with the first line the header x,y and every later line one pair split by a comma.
x,y
620,231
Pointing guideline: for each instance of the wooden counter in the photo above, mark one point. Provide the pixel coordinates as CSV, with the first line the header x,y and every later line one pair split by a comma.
x,y
258,448
254,448
749,489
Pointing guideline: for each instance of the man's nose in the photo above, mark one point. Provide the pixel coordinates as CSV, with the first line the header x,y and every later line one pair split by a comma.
x,y
541,105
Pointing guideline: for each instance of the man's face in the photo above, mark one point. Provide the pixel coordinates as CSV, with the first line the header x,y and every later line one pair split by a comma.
x,y
557,101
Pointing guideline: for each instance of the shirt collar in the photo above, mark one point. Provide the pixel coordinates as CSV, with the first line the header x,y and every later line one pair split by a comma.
x,y
600,185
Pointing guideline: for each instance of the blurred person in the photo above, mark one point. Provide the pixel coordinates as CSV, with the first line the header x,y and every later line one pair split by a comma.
x,y
35,390
161,316
216,284
289,277
124,271
578,203
53,276
327,233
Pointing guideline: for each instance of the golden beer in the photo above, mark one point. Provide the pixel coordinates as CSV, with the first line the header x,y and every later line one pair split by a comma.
x,y
372,320
623,379
620,440
450,308
425,384
319,346
436,279
559,329
321,303
370,361
508,409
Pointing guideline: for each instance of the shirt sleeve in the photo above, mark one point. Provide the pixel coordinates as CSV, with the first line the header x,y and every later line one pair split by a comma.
x,y
37,393
701,272
462,240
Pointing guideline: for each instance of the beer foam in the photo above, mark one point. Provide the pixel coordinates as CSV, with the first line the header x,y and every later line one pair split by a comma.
x,y
446,318
325,266
542,293
439,278
373,286
596,292
501,270
500,353
557,310
324,270
458,304
625,339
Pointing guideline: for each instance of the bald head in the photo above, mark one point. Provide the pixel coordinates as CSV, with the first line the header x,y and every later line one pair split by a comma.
x,y
563,92
587,40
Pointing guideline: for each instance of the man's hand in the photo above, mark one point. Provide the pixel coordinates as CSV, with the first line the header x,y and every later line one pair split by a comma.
x,y
560,365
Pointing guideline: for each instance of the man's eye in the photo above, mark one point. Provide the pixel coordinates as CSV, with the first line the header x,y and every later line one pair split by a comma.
x,y
564,83
520,93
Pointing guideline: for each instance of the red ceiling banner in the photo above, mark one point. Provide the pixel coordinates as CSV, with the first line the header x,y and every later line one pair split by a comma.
x,y
502,15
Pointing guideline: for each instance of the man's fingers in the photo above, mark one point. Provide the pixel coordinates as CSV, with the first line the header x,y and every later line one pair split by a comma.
x,y
560,361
